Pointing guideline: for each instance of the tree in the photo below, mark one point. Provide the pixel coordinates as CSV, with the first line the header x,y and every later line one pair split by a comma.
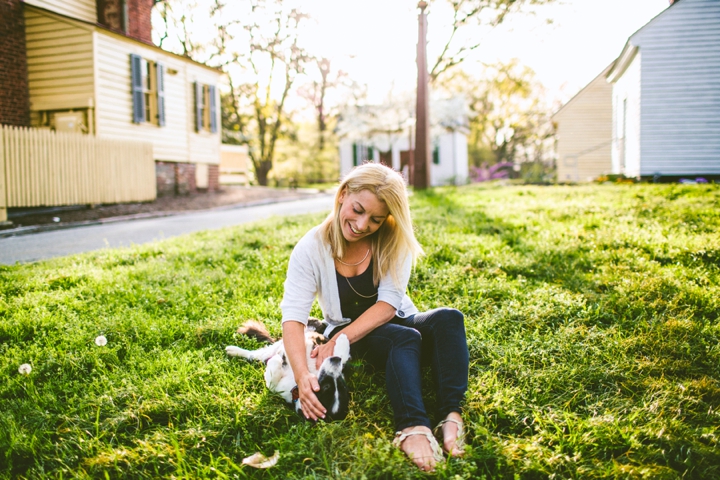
x,y
469,15
510,121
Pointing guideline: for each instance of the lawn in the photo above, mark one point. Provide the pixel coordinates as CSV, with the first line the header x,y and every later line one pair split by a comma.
x,y
592,318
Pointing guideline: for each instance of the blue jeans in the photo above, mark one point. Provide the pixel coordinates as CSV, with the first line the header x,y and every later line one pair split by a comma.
x,y
400,347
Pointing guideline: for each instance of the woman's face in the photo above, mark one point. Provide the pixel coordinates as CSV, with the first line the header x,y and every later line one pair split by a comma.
x,y
361,214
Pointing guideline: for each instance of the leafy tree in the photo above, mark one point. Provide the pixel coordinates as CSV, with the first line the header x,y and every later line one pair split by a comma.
x,y
257,44
471,16
510,120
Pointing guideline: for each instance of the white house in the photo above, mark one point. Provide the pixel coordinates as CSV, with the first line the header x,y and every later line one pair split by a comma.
x,y
92,68
666,95
384,133
583,133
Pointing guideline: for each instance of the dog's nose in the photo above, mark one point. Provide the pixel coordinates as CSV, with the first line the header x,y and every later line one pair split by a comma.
x,y
335,360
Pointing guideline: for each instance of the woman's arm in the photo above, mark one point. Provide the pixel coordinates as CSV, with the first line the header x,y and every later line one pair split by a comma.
x,y
294,343
378,314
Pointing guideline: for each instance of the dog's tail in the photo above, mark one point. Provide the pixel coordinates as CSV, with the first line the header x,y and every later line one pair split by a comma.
x,y
256,330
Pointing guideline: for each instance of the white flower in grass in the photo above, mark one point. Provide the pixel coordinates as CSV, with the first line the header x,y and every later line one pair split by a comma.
x,y
258,460
101,341
25,369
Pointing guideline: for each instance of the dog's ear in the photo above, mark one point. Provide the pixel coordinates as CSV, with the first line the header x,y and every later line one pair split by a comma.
x,y
316,324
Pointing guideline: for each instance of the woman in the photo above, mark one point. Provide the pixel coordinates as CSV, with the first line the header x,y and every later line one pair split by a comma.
x,y
357,263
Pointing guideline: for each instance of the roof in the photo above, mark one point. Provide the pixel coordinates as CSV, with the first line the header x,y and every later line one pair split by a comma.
x,y
97,27
572,100
629,50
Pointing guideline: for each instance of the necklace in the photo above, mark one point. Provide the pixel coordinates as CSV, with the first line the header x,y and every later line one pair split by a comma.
x,y
355,264
358,293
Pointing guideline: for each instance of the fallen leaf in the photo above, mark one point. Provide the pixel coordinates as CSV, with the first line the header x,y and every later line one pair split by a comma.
x,y
258,460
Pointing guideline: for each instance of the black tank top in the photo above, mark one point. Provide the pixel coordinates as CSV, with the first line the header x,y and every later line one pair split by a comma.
x,y
353,291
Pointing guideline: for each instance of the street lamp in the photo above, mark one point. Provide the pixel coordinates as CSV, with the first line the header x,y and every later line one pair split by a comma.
x,y
421,170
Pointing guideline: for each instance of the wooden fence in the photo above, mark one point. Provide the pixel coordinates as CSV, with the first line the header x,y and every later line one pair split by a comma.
x,y
45,168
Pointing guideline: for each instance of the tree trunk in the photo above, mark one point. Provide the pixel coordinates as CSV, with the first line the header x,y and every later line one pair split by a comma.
x,y
261,172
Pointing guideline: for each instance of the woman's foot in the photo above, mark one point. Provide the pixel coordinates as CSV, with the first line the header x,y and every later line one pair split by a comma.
x,y
453,436
420,446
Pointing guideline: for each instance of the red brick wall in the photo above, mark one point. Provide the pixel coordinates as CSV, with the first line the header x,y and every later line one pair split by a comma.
x,y
179,178
139,25
14,94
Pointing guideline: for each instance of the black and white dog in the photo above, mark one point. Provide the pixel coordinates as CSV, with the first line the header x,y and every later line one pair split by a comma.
x,y
279,376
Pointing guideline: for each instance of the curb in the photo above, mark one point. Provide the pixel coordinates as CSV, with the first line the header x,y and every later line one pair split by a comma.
x,y
16,232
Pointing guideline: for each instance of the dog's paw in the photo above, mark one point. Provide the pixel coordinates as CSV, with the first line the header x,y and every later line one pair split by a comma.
x,y
342,347
234,351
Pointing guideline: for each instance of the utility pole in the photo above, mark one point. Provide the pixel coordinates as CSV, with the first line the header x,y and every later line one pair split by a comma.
x,y
421,172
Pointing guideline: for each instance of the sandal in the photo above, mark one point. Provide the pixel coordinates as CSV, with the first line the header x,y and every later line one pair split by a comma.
x,y
437,451
459,440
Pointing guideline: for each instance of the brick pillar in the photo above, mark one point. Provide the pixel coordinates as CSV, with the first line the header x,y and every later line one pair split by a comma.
x,y
14,94
213,178
185,178
165,178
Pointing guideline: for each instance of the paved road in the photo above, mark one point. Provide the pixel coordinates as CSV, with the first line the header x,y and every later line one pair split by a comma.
x,y
58,243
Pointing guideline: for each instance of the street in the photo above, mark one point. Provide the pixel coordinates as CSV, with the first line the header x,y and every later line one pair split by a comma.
x,y
58,243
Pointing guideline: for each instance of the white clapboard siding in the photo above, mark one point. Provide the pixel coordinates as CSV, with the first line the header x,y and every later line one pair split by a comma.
x,y
584,133
60,62
81,9
177,140
46,168
626,126
680,90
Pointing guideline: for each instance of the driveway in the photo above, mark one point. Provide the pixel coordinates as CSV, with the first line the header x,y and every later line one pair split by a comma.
x,y
58,243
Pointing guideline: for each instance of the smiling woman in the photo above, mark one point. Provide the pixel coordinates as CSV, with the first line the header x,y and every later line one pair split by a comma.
x,y
358,263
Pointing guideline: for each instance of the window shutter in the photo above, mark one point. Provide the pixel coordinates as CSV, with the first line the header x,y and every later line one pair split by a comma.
x,y
138,99
213,109
355,154
198,107
370,154
436,155
160,73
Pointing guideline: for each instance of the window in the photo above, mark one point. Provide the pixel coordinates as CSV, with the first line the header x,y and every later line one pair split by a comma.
x,y
205,108
148,91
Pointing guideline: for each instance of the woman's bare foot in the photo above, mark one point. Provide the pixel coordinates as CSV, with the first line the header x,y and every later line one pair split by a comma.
x,y
451,431
418,447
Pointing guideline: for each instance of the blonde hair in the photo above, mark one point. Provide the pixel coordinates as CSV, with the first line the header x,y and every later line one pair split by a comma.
x,y
395,238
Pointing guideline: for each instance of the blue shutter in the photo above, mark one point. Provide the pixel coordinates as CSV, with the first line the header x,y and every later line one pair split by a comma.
x,y
213,109
138,98
160,77
198,107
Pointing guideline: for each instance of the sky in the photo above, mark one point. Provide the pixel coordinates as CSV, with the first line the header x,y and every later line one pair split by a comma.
x,y
375,40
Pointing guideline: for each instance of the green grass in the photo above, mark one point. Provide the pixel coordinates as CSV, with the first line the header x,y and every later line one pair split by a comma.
x,y
592,317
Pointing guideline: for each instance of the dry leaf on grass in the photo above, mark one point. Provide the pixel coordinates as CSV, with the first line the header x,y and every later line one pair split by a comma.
x,y
258,460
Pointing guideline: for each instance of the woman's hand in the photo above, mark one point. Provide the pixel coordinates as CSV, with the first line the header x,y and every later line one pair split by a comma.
x,y
321,352
311,406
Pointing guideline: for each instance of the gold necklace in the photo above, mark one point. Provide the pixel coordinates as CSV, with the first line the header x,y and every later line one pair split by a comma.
x,y
355,264
358,293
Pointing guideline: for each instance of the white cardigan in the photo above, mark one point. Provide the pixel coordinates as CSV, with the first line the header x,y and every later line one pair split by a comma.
x,y
311,273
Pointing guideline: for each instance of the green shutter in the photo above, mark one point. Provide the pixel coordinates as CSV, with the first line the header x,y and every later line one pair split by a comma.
x,y
160,81
198,107
436,155
137,88
355,154
213,109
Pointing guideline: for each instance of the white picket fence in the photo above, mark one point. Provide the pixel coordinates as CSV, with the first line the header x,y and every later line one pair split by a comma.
x,y
44,168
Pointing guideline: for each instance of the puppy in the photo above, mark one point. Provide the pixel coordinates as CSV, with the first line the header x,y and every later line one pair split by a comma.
x,y
279,376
